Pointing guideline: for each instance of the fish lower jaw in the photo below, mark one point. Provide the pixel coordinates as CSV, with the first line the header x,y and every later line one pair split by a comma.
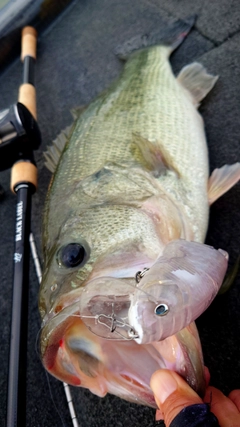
x,y
75,355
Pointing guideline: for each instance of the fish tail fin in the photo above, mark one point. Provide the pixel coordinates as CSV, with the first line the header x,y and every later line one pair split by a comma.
x,y
172,36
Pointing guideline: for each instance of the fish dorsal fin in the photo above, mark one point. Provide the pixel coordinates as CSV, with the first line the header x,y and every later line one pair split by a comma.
x,y
154,154
221,180
54,151
195,78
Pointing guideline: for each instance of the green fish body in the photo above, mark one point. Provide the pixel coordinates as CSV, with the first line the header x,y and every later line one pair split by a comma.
x,y
132,177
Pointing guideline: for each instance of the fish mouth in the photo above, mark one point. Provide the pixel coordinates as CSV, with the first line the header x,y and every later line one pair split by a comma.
x,y
75,355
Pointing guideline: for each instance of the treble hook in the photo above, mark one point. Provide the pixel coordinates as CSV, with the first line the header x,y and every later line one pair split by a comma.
x,y
115,323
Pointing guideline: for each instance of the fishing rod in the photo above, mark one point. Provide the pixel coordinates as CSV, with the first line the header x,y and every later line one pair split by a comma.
x,y
19,136
18,13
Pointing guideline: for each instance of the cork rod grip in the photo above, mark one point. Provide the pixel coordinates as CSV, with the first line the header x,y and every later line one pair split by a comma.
x,y
27,92
23,172
29,43
27,96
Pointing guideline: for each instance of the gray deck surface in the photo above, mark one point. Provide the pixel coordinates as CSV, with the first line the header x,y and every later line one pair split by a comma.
x,y
75,62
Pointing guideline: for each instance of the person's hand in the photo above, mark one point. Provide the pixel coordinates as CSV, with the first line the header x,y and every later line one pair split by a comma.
x,y
172,394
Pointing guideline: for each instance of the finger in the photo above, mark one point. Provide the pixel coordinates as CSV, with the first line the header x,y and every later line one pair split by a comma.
x,y
235,397
172,394
158,415
225,409
206,375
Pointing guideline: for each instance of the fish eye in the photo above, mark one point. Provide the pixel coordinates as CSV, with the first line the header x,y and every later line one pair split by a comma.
x,y
161,309
71,255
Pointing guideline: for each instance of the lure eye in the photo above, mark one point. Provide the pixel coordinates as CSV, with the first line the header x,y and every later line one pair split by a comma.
x,y
71,255
161,309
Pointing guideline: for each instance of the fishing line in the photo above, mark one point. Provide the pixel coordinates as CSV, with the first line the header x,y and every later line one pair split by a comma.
x,y
52,398
65,385
37,351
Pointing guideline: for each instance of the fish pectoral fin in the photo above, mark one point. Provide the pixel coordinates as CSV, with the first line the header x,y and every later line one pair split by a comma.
x,y
195,78
156,157
221,180
54,151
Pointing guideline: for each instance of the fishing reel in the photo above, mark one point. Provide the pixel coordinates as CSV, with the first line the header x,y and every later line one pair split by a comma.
x,y
19,135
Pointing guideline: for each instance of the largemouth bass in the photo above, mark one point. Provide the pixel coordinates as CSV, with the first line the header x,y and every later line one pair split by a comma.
x,y
131,181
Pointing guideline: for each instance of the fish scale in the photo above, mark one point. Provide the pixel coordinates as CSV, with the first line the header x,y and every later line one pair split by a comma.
x,y
105,129
147,100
